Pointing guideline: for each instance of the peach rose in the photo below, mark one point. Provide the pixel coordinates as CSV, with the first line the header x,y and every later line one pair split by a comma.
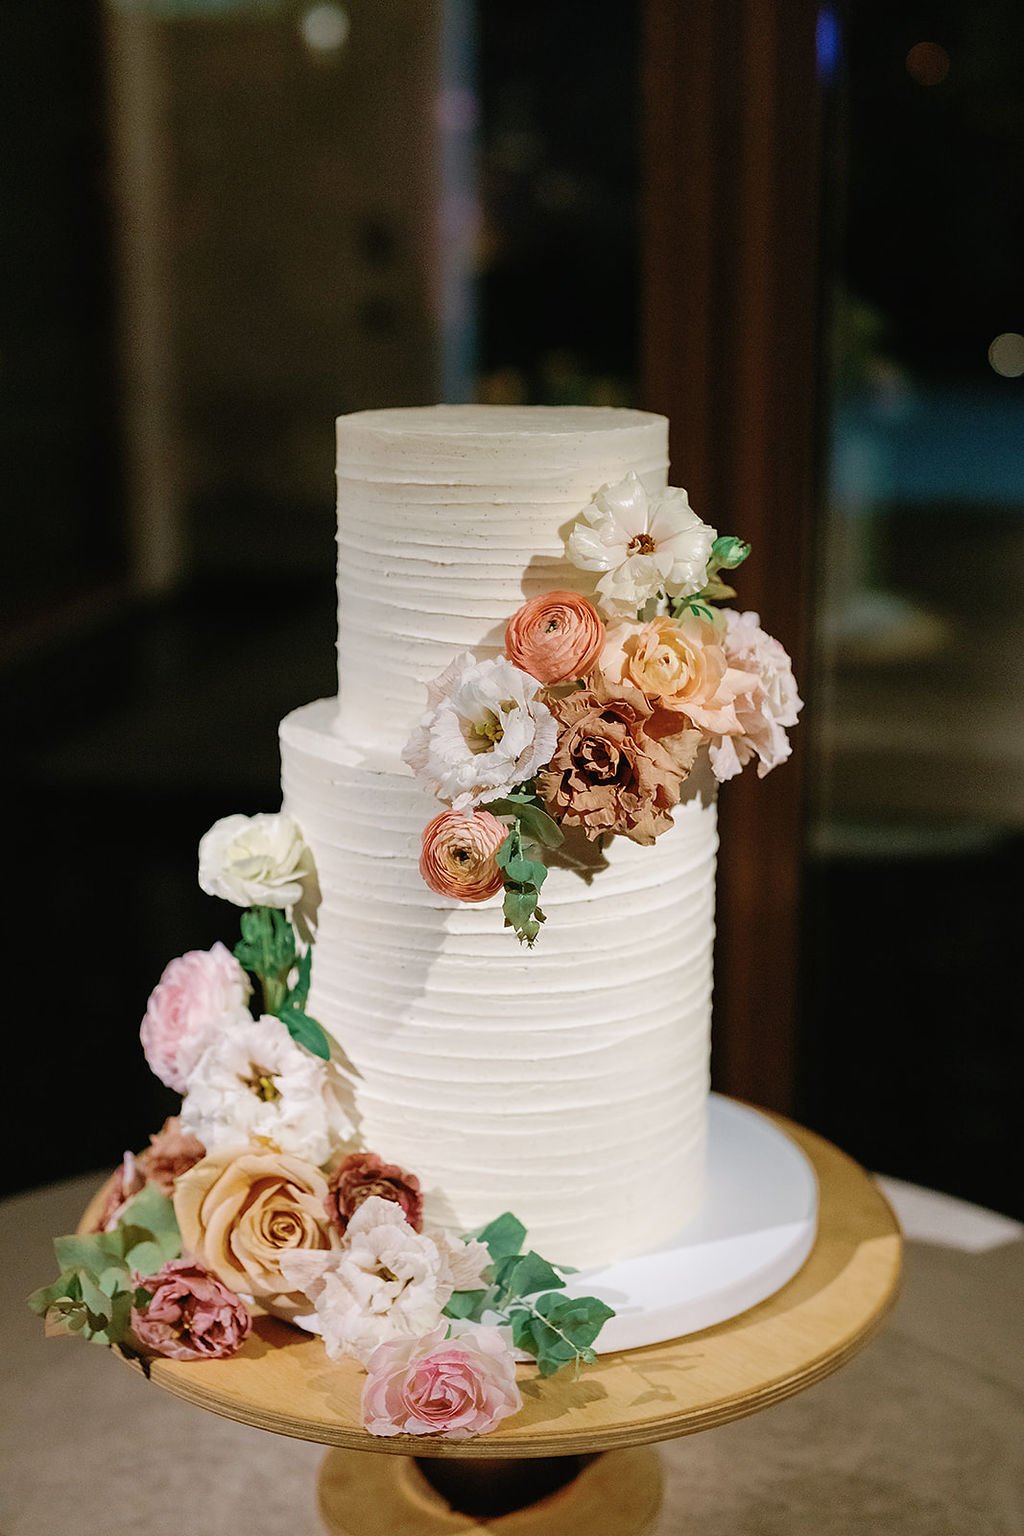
x,y
609,774
678,665
458,857
363,1174
555,637
456,1387
241,1212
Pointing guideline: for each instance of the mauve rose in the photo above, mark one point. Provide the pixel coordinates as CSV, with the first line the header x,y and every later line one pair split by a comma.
x,y
171,1152
555,637
191,1316
458,857
194,997
455,1387
363,1174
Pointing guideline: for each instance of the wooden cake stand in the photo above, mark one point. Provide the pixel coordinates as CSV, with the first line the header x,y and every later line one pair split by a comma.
x,y
576,1458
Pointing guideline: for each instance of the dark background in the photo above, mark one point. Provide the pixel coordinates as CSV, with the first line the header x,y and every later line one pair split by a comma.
x,y
139,706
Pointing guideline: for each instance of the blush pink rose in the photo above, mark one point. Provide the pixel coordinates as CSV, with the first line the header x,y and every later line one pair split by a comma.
x,y
455,1387
192,999
192,1315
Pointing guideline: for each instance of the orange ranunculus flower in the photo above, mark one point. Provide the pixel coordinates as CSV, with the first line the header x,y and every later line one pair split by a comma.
x,y
458,857
556,637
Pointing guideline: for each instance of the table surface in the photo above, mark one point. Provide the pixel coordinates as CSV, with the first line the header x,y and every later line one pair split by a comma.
x,y
283,1381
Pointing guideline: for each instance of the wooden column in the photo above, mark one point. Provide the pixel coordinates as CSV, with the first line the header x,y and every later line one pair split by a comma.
x,y
731,245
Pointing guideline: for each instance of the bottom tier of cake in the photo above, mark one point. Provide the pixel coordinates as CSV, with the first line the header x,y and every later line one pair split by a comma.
x,y
568,1083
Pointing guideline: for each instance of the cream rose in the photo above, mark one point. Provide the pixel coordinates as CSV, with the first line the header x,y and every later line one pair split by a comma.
x,y
256,861
241,1214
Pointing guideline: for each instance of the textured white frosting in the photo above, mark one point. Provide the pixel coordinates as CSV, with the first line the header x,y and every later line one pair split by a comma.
x,y
568,1083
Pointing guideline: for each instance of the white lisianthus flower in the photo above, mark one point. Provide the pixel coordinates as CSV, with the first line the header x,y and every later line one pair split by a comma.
x,y
462,1262
256,861
768,705
644,543
255,1084
485,730
387,1282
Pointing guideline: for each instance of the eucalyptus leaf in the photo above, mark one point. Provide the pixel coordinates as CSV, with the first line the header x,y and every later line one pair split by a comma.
x,y
502,1237
527,1275
466,1304
87,1250
532,817
153,1212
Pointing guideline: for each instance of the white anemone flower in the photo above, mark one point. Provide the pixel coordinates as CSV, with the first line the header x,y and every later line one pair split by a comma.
x,y
485,730
255,1084
644,543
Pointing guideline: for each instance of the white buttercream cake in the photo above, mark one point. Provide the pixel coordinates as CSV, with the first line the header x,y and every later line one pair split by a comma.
x,y
568,1082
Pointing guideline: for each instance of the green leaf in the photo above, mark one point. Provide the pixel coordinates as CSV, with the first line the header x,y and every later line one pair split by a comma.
x,y
527,1275
92,1250
467,1304
532,817
267,949
522,1331
153,1211
65,1288
306,1032
502,1237
299,994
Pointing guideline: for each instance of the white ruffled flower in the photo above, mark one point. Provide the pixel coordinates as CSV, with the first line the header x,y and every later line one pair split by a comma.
x,y
769,705
255,1084
485,730
256,861
462,1263
645,543
388,1282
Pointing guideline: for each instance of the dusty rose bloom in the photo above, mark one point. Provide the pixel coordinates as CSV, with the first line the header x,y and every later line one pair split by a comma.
x,y
363,1174
555,637
678,665
192,1315
458,856
456,1387
170,1153
609,774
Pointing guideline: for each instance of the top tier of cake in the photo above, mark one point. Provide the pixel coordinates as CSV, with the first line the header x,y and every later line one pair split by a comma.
x,y
449,517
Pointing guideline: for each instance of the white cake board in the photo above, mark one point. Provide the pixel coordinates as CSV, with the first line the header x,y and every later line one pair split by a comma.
x,y
754,1231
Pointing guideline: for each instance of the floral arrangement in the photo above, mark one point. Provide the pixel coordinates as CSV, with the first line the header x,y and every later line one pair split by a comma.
x,y
257,1196
594,717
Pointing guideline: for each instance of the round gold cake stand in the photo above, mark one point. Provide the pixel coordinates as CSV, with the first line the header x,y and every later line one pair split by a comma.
x,y
576,1458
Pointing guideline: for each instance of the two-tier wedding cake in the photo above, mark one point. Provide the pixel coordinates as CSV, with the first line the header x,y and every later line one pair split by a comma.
x,y
568,1082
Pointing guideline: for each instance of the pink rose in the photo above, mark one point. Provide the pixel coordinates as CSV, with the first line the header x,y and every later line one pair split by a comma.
x,y
456,1387
191,1316
192,999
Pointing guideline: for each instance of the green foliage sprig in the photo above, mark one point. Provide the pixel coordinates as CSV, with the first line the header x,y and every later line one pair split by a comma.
x,y
269,950
520,861
98,1282
524,1289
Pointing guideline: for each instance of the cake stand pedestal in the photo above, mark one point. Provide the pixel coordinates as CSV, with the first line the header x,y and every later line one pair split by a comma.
x,y
576,1458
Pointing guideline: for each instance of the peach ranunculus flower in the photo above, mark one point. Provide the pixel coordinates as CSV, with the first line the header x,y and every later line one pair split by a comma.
x,y
241,1212
609,774
458,857
556,637
678,665
455,1386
